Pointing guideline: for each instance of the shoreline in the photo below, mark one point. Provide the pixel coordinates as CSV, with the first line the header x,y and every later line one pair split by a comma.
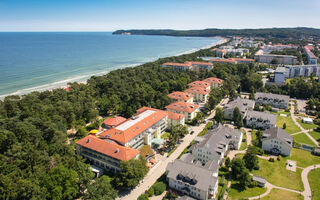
x,y
83,78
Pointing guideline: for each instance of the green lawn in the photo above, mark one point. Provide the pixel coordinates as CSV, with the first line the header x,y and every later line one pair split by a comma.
x,y
244,144
303,139
237,193
303,158
277,174
291,126
276,194
314,181
307,126
165,135
315,135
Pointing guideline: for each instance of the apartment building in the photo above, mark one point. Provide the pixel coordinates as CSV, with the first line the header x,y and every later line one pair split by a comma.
x,y
215,143
200,94
274,100
312,59
181,96
282,59
187,109
214,82
260,120
202,84
192,178
277,141
280,75
105,153
302,71
244,106
189,65
223,60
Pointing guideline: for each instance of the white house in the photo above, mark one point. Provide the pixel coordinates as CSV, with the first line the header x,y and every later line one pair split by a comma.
x,y
277,141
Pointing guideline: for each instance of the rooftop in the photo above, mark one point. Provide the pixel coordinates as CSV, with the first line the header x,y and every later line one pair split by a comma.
x,y
285,98
182,106
213,79
278,133
197,90
108,147
180,95
263,115
114,121
242,104
134,126
199,84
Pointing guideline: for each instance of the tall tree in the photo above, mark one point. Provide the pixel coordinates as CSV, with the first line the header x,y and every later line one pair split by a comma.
x,y
101,189
219,115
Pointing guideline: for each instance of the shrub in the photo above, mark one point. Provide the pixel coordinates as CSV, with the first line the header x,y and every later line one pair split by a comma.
x,y
244,140
284,126
253,184
271,159
161,153
257,167
143,197
278,158
150,192
159,188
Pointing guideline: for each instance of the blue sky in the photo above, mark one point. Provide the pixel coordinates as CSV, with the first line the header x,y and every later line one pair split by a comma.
x,y
109,15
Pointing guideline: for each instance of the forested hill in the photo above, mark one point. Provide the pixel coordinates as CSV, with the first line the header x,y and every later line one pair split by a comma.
x,y
266,32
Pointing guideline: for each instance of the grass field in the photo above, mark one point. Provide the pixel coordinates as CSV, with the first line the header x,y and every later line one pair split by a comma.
x,y
237,193
277,174
165,135
276,194
303,139
315,135
314,181
307,126
291,126
244,144
303,158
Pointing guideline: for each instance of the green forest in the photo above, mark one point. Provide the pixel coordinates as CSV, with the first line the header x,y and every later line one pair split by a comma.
x,y
265,32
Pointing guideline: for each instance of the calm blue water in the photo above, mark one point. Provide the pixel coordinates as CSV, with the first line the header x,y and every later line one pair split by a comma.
x,y
39,61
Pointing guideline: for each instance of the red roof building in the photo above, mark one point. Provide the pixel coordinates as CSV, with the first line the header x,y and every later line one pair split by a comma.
x,y
182,107
181,96
196,90
112,122
202,84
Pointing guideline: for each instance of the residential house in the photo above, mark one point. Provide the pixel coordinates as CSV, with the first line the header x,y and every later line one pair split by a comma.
x,y
187,109
214,82
260,120
215,143
302,71
181,96
200,94
277,141
274,100
244,106
178,66
175,119
281,59
192,178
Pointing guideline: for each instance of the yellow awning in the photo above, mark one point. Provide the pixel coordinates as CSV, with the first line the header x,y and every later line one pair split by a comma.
x,y
94,131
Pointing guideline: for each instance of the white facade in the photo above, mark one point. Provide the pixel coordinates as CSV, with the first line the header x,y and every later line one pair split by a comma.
x,y
271,144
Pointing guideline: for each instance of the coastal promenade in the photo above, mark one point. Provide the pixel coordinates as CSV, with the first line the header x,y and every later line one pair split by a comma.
x,y
160,168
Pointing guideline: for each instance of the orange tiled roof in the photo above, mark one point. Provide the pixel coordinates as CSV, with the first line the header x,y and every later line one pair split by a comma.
x,y
182,106
223,60
197,90
175,116
177,64
180,95
124,136
199,63
213,79
108,148
114,121
202,84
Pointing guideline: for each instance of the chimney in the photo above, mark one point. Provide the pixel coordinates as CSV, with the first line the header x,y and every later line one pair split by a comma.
x,y
88,140
117,150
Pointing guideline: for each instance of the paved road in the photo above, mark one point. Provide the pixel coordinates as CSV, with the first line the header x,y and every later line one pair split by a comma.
x,y
294,118
159,169
304,175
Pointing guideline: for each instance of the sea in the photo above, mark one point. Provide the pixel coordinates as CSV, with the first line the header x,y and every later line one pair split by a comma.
x,y
37,61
